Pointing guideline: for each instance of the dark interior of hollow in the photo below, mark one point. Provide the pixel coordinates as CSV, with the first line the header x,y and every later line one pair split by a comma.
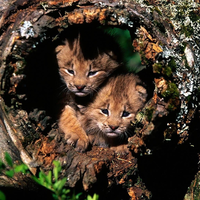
x,y
42,79
43,82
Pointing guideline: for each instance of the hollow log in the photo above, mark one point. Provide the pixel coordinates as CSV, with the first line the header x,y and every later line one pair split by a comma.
x,y
166,35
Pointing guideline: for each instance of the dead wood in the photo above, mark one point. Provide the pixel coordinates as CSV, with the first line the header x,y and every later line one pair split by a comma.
x,y
30,30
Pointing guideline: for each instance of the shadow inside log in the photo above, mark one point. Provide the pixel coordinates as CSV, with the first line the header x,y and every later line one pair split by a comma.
x,y
31,193
169,172
43,80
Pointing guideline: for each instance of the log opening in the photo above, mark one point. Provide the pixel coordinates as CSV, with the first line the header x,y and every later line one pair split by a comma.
x,y
29,67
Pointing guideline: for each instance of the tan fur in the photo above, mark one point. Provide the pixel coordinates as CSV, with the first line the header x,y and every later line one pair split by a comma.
x,y
86,70
74,133
72,58
120,95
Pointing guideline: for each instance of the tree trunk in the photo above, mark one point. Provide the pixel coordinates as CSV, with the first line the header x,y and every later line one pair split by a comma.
x,y
162,157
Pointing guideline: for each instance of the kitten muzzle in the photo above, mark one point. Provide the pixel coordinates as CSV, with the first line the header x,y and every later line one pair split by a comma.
x,y
81,94
112,135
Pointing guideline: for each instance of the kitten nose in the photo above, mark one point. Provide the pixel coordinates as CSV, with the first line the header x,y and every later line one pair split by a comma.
x,y
113,127
80,87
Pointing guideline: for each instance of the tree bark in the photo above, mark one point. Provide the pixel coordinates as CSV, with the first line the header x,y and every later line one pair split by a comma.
x,y
168,43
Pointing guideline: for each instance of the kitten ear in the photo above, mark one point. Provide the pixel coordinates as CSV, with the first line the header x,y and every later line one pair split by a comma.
x,y
112,55
59,48
142,92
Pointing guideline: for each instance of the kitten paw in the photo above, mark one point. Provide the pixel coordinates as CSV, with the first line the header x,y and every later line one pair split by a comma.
x,y
71,142
80,144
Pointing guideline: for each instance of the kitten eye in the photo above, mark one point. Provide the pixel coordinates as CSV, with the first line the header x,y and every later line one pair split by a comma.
x,y
104,111
125,114
70,71
92,73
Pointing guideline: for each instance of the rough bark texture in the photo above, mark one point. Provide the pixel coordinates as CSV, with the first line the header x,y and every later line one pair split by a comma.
x,y
162,157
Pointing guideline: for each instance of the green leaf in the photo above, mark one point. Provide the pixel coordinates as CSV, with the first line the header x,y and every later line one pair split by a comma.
x,y
65,191
8,159
41,178
45,180
55,196
95,197
56,169
63,196
10,173
2,196
21,168
41,181
89,197
57,164
78,195
59,184
49,178
36,180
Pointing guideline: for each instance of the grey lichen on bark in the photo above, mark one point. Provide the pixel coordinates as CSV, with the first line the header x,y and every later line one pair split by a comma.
x,y
180,29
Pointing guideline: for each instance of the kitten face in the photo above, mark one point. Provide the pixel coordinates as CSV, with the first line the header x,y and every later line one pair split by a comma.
x,y
114,119
81,75
115,107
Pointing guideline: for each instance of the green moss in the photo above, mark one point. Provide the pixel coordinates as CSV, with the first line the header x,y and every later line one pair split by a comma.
x,y
182,47
144,60
193,16
171,91
160,27
158,11
173,104
160,69
187,30
157,67
189,98
149,113
167,71
172,64
170,107
139,180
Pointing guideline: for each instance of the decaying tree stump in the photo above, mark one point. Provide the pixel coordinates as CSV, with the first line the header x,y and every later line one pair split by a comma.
x,y
167,37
